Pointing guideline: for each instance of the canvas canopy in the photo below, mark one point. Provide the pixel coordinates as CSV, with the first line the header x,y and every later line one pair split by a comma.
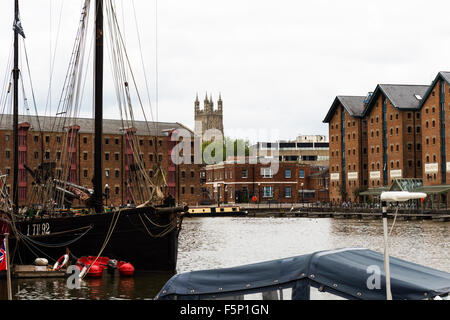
x,y
350,273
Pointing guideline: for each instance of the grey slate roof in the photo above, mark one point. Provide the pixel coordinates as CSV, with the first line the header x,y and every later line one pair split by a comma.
x,y
404,96
400,95
354,105
445,75
56,124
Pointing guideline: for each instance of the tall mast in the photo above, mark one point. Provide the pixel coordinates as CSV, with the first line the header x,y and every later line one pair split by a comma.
x,y
98,106
16,109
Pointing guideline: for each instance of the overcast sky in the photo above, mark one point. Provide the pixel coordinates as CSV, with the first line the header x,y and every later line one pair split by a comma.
x,y
278,64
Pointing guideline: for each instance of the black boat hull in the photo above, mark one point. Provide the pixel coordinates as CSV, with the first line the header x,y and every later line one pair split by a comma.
x,y
136,238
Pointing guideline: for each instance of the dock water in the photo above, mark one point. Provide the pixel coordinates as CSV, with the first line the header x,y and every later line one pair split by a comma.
x,y
444,217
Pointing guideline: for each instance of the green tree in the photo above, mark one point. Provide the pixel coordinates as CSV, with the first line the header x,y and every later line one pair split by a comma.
x,y
239,147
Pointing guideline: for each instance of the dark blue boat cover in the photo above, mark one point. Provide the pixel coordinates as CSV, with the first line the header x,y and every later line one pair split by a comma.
x,y
353,273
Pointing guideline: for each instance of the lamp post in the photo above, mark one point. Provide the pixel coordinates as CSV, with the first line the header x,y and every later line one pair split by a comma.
x,y
259,194
303,194
393,196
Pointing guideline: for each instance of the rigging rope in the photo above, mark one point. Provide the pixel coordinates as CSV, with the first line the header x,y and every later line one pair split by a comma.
x,y
170,228
393,223
56,245
31,85
119,60
142,62
52,60
7,83
112,226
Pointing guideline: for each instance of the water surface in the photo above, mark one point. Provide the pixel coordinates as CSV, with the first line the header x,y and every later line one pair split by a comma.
x,y
224,242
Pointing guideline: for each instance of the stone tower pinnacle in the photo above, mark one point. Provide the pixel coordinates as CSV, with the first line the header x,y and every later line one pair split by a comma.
x,y
197,104
208,117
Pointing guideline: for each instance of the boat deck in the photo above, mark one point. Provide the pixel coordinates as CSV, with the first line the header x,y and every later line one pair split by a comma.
x,y
32,271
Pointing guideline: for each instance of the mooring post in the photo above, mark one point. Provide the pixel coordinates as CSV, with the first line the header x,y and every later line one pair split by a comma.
x,y
8,269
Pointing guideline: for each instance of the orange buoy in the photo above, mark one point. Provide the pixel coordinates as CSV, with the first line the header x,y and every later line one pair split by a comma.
x,y
125,269
95,271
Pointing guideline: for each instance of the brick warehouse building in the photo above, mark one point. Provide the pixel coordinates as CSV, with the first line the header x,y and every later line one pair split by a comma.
x,y
386,146
233,182
394,133
36,147
348,147
435,112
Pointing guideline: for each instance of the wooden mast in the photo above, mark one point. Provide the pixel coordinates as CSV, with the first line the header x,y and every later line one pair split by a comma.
x,y
98,106
16,109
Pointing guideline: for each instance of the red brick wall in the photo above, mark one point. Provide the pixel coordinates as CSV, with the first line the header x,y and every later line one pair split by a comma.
x,y
223,187
355,155
116,145
375,143
431,136
335,155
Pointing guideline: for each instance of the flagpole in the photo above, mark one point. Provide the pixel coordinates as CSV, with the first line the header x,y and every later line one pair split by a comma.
x,y
8,269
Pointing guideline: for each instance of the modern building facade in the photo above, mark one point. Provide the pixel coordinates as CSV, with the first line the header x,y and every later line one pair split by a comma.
x,y
312,150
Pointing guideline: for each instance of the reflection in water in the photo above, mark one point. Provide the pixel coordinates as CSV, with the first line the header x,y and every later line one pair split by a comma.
x,y
141,286
223,242
210,243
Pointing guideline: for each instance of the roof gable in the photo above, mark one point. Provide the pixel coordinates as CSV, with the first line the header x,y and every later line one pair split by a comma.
x,y
444,75
354,105
402,97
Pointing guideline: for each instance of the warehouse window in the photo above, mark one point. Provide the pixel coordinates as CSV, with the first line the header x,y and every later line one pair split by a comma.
x,y
266,172
287,173
301,173
267,192
288,192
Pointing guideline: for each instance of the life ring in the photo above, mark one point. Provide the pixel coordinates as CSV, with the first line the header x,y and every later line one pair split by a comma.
x,y
61,262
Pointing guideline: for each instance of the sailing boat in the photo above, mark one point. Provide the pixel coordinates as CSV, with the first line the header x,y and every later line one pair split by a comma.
x,y
146,235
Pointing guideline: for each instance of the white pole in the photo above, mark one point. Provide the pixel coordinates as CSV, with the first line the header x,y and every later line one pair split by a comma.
x,y
393,196
386,253
8,269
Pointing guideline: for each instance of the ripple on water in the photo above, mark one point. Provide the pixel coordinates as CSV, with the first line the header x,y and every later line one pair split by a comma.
x,y
223,242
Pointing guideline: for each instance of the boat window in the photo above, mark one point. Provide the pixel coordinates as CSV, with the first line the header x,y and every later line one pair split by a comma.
x,y
231,298
316,294
276,294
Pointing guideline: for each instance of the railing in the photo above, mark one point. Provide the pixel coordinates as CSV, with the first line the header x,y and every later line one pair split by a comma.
x,y
348,207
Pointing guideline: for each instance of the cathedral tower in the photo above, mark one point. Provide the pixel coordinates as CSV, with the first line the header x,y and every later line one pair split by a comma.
x,y
209,117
